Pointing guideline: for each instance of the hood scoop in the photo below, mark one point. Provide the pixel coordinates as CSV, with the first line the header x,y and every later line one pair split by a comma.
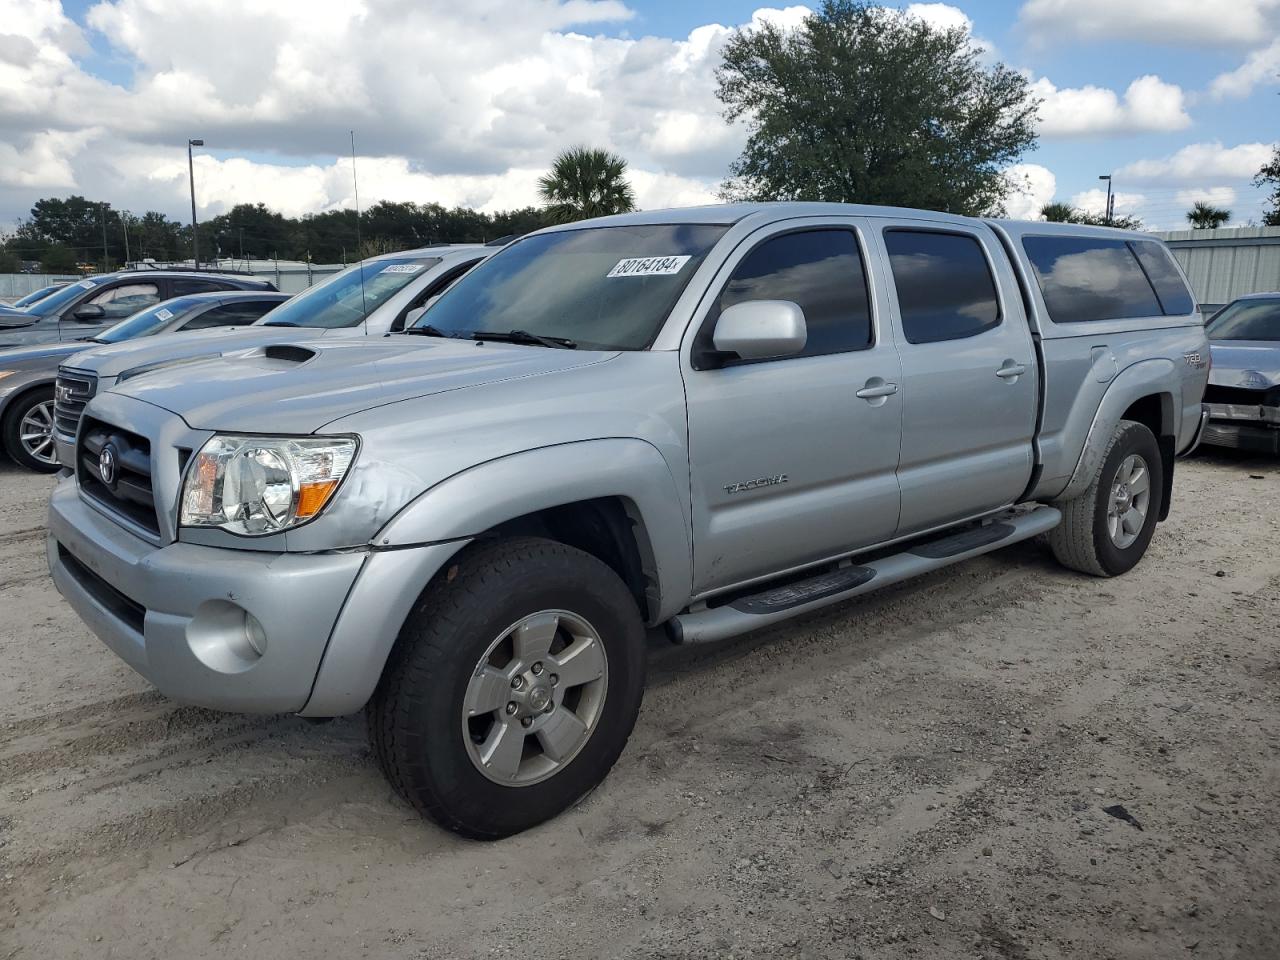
x,y
288,352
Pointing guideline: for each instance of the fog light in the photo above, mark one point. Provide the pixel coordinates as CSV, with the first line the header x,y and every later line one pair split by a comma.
x,y
226,637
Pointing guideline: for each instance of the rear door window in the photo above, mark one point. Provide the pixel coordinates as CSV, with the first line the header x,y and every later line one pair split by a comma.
x,y
944,284
181,286
819,270
1085,279
1175,299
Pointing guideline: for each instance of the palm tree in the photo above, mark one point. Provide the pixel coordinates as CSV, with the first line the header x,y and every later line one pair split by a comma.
x,y
1058,213
585,182
1203,216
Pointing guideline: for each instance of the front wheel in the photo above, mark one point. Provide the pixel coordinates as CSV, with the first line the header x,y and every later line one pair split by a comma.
x,y
28,431
515,684
1106,529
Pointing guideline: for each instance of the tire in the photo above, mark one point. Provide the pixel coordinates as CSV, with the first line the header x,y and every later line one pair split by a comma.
x,y
420,719
37,403
1085,540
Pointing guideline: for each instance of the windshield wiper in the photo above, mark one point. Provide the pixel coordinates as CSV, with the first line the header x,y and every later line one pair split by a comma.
x,y
524,336
427,330
280,323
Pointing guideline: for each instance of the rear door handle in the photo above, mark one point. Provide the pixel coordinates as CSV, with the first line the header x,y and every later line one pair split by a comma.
x,y
1010,370
877,389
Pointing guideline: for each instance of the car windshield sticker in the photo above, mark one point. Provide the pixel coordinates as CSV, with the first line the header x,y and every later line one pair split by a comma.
x,y
402,268
164,314
648,267
87,284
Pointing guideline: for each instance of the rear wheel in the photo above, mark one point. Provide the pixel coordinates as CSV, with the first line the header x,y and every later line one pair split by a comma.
x,y
1106,530
514,687
28,431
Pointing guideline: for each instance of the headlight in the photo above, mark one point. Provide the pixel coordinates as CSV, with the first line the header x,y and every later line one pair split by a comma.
x,y
259,485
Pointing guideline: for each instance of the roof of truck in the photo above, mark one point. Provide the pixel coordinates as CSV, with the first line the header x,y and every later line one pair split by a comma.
x,y
729,213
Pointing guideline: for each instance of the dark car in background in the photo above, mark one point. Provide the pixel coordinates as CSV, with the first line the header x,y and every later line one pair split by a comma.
x,y
27,374
1243,394
87,307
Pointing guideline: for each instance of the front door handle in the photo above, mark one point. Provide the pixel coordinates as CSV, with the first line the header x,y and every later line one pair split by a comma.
x,y
1010,370
877,389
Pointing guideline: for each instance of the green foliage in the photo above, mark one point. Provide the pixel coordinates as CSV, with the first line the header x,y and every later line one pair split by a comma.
x,y
1205,216
1065,213
58,259
866,104
585,182
1269,175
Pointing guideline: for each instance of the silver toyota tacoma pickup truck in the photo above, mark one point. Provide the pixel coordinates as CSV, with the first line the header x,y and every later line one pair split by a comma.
x,y
707,420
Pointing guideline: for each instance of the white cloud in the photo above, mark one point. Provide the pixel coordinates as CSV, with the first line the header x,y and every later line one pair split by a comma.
x,y
1262,67
1094,200
1194,23
1214,196
1200,162
941,15
1033,186
1148,105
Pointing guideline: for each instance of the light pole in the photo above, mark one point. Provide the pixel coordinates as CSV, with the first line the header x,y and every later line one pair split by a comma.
x,y
1107,177
191,171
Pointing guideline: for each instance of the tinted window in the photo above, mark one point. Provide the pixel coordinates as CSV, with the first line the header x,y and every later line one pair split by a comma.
x,y
1247,320
184,285
241,313
125,299
821,271
1086,278
606,288
944,284
1171,291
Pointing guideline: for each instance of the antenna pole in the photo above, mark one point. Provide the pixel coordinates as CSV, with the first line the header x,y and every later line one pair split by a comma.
x,y
355,186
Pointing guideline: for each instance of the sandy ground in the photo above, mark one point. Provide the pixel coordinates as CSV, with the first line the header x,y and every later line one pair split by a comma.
x,y
919,774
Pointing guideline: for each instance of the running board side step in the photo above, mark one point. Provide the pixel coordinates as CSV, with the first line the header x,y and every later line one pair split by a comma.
x,y
774,604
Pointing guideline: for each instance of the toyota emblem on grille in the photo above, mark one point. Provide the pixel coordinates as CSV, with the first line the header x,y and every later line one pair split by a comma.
x,y
107,464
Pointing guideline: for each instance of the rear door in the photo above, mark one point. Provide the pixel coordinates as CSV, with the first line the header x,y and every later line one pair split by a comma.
x,y
790,464
969,377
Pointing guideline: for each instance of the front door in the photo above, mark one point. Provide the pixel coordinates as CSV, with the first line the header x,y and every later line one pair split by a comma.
x,y
116,301
969,374
790,463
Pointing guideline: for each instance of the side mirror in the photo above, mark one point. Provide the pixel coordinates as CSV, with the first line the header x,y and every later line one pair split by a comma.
x,y
761,329
89,313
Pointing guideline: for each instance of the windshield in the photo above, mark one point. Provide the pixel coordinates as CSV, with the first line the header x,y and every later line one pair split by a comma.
x,y
148,321
604,288
1247,320
339,301
35,295
56,301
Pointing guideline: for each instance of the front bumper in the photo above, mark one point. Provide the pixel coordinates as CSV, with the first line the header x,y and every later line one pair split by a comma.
x,y
1243,427
176,613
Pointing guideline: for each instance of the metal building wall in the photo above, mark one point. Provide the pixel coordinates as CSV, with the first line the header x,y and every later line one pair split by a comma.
x,y
1227,263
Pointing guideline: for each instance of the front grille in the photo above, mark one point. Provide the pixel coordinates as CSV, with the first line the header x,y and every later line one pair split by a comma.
x,y
127,491
73,391
128,610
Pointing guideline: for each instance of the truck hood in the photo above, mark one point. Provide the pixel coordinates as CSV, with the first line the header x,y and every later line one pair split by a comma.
x,y
298,387
112,360
1254,364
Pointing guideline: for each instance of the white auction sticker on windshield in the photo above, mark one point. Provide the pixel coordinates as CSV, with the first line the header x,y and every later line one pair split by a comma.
x,y
87,284
648,267
403,268
164,314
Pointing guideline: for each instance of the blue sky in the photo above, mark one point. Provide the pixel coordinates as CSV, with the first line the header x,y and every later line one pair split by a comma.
x,y
467,103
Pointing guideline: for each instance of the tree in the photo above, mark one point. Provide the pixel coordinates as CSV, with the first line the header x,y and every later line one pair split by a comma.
x,y
585,182
1065,213
1205,216
1269,175
59,259
868,104
1058,213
